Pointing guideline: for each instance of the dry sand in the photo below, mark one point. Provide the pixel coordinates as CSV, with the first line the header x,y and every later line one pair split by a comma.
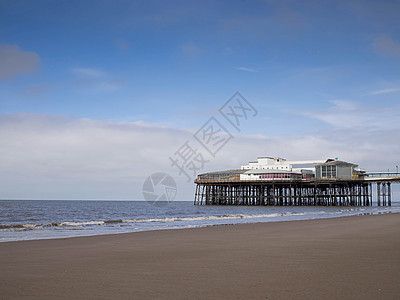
x,y
341,258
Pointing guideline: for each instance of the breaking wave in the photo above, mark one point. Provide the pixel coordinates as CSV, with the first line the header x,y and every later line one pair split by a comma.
x,y
71,225
170,222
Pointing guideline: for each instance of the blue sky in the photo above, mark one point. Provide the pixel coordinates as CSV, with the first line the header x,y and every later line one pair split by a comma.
x,y
326,73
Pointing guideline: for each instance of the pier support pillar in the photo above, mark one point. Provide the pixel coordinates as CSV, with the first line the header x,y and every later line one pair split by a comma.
x,y
378,193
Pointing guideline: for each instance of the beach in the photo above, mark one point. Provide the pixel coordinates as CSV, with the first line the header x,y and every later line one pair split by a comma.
x,y
354,257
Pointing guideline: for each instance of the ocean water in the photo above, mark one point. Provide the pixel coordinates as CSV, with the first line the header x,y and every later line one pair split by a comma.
x,y
45,219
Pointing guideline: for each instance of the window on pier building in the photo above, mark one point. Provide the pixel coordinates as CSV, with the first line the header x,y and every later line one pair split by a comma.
x,y
328,171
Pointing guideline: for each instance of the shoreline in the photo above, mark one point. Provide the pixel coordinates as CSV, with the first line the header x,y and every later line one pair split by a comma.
x,y
330,258
200,226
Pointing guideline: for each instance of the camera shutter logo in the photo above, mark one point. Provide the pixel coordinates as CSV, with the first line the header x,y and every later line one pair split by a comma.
x,y
159,187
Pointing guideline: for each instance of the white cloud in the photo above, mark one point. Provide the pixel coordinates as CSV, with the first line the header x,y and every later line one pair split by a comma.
x,y
352,115
384,91
43,153
88,73
53,157
14,61
246,69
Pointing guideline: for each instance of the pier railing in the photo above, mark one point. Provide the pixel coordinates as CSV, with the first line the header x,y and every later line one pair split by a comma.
x,y
309,180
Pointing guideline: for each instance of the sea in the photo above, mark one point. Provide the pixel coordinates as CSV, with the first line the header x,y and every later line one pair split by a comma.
x,y
49,219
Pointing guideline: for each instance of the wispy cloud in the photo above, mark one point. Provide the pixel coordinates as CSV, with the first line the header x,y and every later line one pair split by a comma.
x,y
191,50
34,90
228,50
95,80
352,115
246,69
110,85
383,91
122,44
88,72
16,61
384,44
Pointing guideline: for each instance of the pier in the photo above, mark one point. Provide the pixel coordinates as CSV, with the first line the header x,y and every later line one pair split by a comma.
x,y
277,182
295,192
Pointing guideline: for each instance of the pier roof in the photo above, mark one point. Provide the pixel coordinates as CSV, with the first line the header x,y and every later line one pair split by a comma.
x,y
335,163
235,171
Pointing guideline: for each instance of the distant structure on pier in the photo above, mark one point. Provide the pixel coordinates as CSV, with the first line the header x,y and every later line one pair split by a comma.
x,y
276,181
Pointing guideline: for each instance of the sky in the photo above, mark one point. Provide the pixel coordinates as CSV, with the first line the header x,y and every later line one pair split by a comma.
x,y
95,96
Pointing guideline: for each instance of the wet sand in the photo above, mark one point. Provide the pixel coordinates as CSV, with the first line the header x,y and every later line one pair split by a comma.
x,y
341,258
